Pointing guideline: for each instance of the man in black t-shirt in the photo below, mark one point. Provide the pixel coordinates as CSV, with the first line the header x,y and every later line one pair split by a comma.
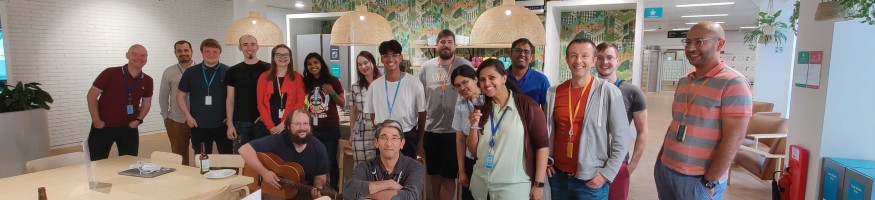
x,y
636,108
297,145
241,104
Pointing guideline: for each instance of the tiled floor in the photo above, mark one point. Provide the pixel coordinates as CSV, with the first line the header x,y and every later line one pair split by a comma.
x,y
744,185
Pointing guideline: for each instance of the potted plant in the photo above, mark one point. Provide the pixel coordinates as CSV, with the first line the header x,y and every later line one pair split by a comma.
x,y
768,30
853,9
24,125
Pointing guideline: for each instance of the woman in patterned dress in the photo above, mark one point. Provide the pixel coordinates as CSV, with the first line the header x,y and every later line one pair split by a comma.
x,y
362,136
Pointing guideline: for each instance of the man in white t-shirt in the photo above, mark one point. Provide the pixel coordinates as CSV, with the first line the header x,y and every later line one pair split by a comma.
x,y
398,96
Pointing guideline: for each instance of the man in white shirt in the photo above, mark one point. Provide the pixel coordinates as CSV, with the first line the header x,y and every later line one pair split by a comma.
x,y
398,96
174,120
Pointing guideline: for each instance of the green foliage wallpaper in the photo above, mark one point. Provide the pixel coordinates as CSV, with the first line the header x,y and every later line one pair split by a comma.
x,y
613,26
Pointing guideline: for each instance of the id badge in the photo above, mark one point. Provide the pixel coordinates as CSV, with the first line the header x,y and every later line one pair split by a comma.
x,y
130,109
681,133
490,161
280,113
208,100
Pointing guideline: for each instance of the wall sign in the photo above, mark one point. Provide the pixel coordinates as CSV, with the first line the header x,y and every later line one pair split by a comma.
x,y
335,53
655,12
677,34
808,68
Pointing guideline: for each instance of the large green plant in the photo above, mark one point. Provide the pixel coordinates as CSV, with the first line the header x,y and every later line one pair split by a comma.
x,y
23,97
794,18
858,9
758,34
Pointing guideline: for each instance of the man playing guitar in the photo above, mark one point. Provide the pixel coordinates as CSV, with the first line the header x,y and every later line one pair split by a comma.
x,y
297,146
389,176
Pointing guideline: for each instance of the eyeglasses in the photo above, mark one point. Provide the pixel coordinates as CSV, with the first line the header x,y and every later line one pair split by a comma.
x,y
282,55
520,51
604,58
387,139
300,124
695,41
392,55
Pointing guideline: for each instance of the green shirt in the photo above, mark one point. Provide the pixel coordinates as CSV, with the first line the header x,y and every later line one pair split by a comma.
x,y
509,152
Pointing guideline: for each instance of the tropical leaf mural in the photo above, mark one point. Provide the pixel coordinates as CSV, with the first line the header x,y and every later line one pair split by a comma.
x,y
614,26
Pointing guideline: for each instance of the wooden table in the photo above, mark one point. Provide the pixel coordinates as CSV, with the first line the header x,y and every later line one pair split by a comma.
x,y
71,182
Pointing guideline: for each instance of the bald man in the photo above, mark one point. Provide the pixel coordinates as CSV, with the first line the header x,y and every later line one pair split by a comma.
x,y
241,105
118,101
712,108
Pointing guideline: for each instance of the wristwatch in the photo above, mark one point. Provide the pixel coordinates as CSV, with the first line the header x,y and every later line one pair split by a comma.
x,y
708,184
539,184
139,120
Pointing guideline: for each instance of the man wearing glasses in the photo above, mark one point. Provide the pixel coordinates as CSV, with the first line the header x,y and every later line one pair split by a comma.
x,y
531,83
712,108
398,96
389,176
297,145
636,108
440,150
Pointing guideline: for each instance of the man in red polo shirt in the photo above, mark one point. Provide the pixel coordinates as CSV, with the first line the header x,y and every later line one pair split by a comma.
x,y
118,101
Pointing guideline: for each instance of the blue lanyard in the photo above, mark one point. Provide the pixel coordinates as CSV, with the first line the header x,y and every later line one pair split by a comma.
x,y
386,84
210,82
617,83
495,126
128,86
470,107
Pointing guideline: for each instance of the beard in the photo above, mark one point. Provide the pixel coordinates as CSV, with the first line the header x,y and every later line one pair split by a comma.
x,y
446,55
250,56
300,140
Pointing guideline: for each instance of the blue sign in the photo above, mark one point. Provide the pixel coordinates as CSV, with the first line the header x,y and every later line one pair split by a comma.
x,y
655,12
335,69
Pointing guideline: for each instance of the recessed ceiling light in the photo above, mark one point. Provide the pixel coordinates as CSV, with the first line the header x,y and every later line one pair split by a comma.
x,y
648,30
694,23
714,15
748,27
680,29
299,4
704,4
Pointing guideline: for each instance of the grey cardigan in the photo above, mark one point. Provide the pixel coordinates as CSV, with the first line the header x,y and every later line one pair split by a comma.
x,y
605,136
411,171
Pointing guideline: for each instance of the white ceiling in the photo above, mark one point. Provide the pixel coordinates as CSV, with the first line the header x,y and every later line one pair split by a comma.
x,y
742,13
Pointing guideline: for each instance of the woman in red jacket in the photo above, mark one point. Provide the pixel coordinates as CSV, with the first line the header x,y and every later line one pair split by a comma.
x,y
280,90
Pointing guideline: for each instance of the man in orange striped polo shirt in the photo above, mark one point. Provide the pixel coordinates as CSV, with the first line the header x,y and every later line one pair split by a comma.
x,y
711,109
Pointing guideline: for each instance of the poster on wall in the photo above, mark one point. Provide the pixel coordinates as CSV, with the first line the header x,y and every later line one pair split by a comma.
x,y
808,66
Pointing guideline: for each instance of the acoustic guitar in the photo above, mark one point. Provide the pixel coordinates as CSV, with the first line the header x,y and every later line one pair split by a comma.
x,y
291,177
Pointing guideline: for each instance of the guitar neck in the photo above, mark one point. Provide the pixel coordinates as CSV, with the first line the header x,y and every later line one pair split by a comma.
x,y
300,186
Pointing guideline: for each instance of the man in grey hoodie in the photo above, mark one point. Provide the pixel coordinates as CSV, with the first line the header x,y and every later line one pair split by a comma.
x,y
586,121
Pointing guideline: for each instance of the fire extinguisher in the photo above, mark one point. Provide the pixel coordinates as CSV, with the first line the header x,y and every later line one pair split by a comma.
x,y
781,186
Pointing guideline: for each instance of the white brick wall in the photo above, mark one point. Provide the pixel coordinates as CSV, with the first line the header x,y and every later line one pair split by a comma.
x,y
65,44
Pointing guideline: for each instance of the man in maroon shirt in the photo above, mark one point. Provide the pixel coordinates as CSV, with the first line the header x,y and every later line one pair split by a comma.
x,y
118,101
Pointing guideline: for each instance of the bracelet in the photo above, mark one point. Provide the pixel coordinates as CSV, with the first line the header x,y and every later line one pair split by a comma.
x,y
139,120
333,95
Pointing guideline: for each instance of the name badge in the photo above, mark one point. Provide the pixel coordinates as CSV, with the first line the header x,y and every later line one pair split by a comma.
x,y
130,109
682,133
490,161
280,113
208,100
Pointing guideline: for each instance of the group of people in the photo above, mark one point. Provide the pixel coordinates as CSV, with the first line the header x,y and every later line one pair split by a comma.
x,y
501,132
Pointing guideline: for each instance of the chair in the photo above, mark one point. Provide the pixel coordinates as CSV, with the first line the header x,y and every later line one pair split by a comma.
x,y
167,157
222,194
56,161
228,161
765,145
759,106
343,150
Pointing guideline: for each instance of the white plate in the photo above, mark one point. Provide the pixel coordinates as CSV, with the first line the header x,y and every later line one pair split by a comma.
x,y
222,173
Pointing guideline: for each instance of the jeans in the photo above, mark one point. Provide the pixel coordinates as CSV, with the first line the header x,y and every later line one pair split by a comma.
x,y
248,131
671,184
330,139
411,141
209,135
100,141
565,186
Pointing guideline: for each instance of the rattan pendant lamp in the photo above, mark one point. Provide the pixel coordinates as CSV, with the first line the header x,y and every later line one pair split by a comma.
x,y
267,32
360,28
504,24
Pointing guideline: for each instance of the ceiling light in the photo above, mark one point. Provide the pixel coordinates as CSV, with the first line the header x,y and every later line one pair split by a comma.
x,y
267,32
704,4
648,30
500,26
360,28
299,4
694,23
748,27
680,29
714,15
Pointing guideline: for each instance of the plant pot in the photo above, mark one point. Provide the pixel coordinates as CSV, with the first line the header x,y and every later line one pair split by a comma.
x,y
25,137
827,11
764,39
768,30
